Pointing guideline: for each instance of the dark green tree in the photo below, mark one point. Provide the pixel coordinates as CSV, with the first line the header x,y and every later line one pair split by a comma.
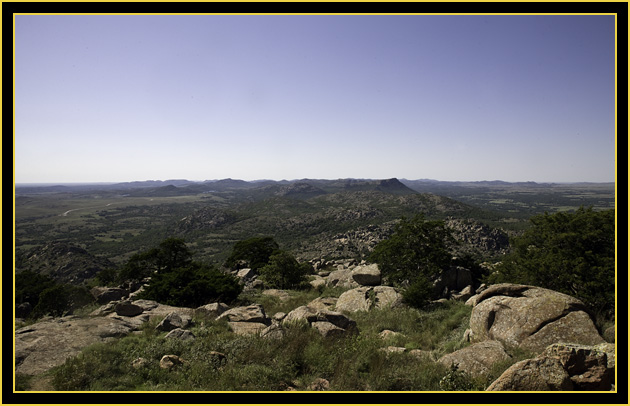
x,y
253,252
417,248
413,254
171,254
192,285
573,253
284,272
29,286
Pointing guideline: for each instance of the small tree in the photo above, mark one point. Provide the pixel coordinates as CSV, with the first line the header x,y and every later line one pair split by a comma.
x,y
192,286
573,253
255,252
416,251
171,254
284,271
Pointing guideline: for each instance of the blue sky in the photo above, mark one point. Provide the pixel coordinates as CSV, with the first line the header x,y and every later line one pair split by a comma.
x,y
120,98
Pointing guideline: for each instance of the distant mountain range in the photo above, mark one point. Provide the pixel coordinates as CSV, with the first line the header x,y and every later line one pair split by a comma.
x,y
312,187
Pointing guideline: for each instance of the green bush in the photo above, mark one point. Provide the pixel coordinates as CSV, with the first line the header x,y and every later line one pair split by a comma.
x,y
192,286
254,252
171,254
419,293
284,272
573,253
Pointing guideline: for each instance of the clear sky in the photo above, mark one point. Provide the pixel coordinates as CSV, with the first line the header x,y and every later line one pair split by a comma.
x,y
121,98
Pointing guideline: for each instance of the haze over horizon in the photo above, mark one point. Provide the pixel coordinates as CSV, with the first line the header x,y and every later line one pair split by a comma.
x,y
122,98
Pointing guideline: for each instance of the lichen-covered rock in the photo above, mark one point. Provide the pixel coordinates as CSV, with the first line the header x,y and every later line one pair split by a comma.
x,y
367,275
246,328
588,366
306,314
254,313
180,334
476,359
530,317
211,310
536,374
126,308
174,320
368,297
171,361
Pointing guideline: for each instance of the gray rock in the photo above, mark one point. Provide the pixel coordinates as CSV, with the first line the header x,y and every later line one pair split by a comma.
x,y
180,334
211,310
246,328
453,279
253,314
273,332
368,275
341,278
365,298
327,329
171,361
246,274
537,374
305,314
323,303
530,317
172,321
588,366
126,308
476,359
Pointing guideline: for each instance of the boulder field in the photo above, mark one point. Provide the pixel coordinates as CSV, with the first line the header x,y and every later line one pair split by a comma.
x,y
571,353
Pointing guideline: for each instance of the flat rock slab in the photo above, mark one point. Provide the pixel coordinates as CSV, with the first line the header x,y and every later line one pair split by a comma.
x,y
47,344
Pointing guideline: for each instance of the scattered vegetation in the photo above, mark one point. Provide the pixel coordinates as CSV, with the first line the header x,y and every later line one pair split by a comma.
x,y
573,253
255,363
416,251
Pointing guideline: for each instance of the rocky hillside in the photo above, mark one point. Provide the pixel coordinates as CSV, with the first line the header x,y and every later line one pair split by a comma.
x,y
65,263
568,352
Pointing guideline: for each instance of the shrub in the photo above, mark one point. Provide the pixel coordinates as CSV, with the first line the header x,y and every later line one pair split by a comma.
x,y
255,252
284,272
573,253
192,286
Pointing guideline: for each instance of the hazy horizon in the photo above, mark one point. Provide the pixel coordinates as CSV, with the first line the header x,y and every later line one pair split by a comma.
x,y
282,180
109,98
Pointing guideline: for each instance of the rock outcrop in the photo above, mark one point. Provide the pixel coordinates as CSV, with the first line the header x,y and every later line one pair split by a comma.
x,y
537,374
246,320
478,358
562,367
49,342
327,322
530,317
366,298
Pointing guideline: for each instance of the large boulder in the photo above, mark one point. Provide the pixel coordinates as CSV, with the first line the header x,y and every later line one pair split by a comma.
x,y
211,310
476,359
591,368
366,298
250,314
245,328
562,366
536,374
530,317
322,320
173,321
342,277
450,280
367,275
128,309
